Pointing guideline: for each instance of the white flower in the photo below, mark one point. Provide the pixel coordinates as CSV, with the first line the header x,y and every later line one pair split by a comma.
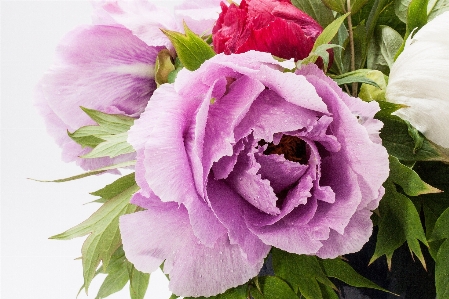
x,y
420,79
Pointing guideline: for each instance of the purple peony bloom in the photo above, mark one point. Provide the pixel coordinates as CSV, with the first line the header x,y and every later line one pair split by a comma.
x,y
239,156
99,67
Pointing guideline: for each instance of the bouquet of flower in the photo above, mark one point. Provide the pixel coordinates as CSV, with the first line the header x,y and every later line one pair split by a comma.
x,y
274,148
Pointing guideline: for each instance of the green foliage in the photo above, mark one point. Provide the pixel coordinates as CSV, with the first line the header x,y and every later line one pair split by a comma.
x,y
272,287
382,49
118,273
108,138
360,75
104,235
408,179
442,271
138,282
398,142
89,173
399,222
316,9
111,190
239,292
113,146
323,39
302,272
191,49
437,7
340,6
341,270
369,92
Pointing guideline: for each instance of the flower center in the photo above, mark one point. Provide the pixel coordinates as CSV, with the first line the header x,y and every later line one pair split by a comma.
x,y
293,149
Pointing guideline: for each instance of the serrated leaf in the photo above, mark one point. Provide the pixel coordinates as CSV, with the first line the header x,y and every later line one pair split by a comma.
x,y
138,282
89,173
408,179
272,287
316,9
341,270
442,271
441,228
113,146
360,75
191,49
399,222
369,92
104,235
328,293
112,123
302,272
163,67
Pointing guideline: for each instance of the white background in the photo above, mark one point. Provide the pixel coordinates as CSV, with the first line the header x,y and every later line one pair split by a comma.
x,y
32,266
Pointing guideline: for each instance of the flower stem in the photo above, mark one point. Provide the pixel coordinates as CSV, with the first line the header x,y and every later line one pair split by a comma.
x,y
351,44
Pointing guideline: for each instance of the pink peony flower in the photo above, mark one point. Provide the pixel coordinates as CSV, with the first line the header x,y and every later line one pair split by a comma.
x,y
99,67
275,27
145,19
237,157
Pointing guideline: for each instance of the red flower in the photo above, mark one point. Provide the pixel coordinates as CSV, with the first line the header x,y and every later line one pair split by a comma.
x,y
273,26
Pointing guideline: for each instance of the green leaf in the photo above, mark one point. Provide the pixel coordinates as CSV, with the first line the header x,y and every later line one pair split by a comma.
x,y
386,108
114,282
112,123
113,146
239,292
399,222
383,47
336,5
341,270
272,287
401,8
301,272
163,67
191,49
360,75
398,142
89,136
436,7
408,179
316,9
369,92
442,271
138,282
356,5
324,38
89,173
115,188
104,234
416,15
441,228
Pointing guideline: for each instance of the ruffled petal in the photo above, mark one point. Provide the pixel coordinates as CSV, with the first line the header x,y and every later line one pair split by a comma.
x,y
229,208
163,233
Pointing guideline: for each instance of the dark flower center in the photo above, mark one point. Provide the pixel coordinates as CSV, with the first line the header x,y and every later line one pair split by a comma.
x,y
293,149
